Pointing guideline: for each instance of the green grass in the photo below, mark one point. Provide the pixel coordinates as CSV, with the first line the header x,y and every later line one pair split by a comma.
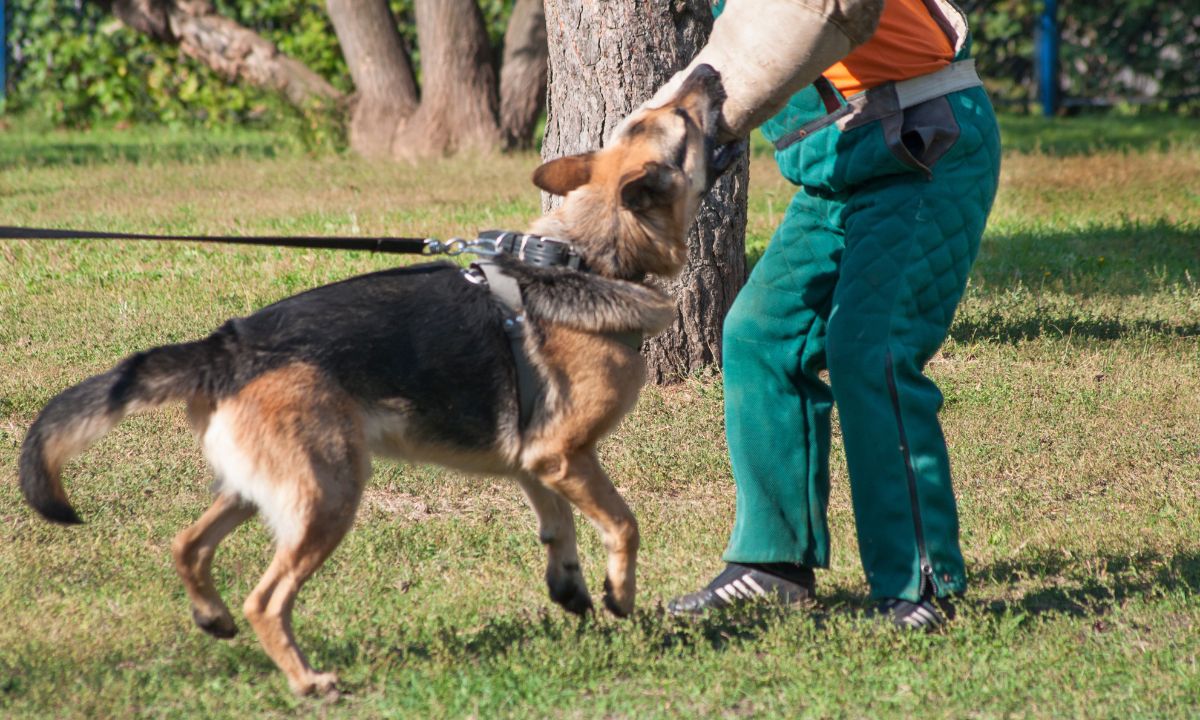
x,y
31,144
1072,385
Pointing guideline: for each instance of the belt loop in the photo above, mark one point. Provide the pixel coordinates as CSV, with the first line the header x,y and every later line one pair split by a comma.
x,y
831,98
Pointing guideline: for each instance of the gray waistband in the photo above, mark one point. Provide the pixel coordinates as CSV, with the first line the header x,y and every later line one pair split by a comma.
x,y
952,78
890,98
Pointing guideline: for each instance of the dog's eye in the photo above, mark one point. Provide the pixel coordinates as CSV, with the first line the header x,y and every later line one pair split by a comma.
x,y
681,154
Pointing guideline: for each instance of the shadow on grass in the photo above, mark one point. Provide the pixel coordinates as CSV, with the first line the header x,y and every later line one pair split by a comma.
x,y
658,632
1088,134
1035,284
999,328
1127,259
1079,587
57,149
1091,587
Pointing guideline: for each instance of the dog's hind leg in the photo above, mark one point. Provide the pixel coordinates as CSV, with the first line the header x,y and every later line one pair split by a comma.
x,y
556,530
193,550
291,441
269,605
578,477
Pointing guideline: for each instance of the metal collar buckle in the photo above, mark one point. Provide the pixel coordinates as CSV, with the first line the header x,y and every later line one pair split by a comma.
x,y
533,249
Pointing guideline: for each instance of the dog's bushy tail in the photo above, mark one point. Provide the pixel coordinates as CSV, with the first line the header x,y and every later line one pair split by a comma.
x,y
81,415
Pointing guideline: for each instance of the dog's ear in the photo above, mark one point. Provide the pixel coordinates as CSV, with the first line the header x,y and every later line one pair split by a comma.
x,y
561,176
649,187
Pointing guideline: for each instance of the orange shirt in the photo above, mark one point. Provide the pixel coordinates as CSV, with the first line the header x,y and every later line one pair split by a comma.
x,y
907,44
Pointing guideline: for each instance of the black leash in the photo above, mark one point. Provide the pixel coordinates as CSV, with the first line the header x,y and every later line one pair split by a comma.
x,y
399,245
533,249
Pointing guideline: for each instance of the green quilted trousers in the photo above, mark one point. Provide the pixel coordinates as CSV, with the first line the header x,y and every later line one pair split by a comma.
x,y
861,278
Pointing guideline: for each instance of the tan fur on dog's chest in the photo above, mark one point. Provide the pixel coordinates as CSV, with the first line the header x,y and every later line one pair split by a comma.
x,y
594,379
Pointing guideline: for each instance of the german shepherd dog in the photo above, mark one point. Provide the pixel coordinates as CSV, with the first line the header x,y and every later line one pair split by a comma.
x,y
290,403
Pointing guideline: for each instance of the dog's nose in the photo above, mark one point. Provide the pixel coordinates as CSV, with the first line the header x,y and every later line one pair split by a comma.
x,y
706,79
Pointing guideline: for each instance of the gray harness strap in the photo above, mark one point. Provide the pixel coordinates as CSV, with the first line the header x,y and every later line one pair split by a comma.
x,y
508,292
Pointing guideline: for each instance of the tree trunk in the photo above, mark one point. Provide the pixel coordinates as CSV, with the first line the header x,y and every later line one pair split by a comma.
x,y
385,91
230,49
523,74
458,90
606,57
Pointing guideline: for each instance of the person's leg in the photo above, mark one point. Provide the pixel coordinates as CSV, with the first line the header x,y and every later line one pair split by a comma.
x,y
910,244
777,411
777,408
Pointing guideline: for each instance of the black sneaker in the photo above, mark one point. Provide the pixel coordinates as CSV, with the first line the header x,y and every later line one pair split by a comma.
x,y
738,584
928,615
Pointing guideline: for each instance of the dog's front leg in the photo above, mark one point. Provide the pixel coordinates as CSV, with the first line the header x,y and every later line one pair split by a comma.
x,y
556,530
578,477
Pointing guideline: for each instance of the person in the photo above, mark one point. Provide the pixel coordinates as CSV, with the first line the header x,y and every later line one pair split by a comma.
x,y
896,154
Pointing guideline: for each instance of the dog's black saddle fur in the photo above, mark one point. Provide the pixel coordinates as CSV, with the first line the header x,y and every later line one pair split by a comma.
x,y
420,334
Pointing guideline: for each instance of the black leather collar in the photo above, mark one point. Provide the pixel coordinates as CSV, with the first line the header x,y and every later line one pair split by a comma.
x,y
535,249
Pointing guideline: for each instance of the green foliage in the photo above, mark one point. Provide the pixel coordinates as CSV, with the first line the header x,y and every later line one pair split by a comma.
x,y
299,28
74,65
1111,49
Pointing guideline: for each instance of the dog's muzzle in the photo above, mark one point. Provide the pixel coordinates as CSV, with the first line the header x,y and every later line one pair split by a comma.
x,y
721,158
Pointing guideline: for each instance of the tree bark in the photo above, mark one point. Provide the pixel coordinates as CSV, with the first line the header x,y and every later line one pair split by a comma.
x,y
458,90
229,48
523,74
606,57
385,89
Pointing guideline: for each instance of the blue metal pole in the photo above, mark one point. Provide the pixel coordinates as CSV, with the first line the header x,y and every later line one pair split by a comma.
x,y
1048,90
3,51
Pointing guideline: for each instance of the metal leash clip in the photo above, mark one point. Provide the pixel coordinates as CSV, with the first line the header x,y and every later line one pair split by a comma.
x,y
457,246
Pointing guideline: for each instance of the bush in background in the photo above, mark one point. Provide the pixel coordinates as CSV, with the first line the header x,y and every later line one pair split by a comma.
x,y
75,65
1112,51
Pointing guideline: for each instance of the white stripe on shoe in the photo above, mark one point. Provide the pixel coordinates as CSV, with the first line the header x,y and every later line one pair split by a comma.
x,y
752,583
742,589
926,616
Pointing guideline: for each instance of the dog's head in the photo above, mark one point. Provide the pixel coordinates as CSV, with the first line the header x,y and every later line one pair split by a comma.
x,y
628,207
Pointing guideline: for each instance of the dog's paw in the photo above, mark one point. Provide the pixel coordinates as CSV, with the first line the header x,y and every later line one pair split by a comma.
x,y
322,685
615,606
219,626
571,593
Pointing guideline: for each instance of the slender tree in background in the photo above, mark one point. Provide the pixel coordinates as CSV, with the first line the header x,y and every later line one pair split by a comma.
x,y
385,88
523,74
606,58
460,106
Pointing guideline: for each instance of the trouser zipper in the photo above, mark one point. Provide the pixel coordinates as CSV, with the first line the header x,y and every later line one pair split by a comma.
x,y
927,583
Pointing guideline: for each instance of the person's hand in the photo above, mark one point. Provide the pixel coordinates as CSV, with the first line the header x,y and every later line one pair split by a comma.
x,y
767,50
